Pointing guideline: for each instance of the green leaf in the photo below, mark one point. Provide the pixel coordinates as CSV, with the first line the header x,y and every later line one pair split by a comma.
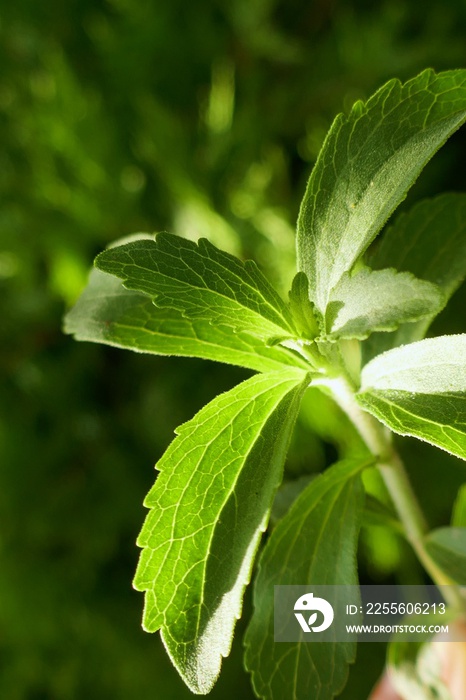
x,y
430,242
447,547
302,309
420,390
201,282
108,313
209,507
315,543
367,164
378,513
378,301
286,495
458,518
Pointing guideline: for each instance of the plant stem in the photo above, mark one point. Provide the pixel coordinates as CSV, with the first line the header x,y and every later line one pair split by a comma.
x,y
378,440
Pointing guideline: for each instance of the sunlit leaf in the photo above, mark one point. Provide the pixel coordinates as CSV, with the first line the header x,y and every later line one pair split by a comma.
x,y
201,282
378,301
367,164
420,390
430,242
209,507
301,308
108,313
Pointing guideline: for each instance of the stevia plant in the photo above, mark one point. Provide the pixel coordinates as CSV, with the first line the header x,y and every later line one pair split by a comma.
x,y
354,327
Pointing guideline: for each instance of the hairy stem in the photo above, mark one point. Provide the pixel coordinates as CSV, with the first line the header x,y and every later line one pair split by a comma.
x,y
378,440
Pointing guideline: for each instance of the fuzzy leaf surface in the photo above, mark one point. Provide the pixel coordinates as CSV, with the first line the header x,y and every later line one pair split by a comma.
x,y
420,390
368,161
314,543
430,242
201,282
447,547
209,507
378,301
108,313
301,308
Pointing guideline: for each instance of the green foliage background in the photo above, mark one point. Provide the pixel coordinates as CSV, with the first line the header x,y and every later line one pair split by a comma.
x,y
203,119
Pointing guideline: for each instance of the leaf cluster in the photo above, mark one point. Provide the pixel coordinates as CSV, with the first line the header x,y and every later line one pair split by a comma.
x,y
217,480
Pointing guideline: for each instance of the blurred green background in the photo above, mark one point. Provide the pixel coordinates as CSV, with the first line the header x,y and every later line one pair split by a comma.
x,y
203,119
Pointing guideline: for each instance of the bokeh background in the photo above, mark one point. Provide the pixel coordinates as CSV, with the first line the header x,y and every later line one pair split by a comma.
x,y
203,119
